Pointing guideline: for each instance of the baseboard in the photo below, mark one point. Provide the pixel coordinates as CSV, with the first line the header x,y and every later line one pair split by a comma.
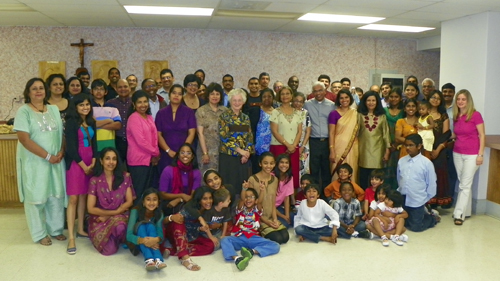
x,y
479,206
492,209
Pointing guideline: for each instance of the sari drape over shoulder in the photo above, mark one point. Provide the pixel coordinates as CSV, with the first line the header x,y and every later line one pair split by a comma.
x,y
346,140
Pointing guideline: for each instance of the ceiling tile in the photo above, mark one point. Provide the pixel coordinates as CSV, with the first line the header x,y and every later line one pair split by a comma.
x,y
26,18
387,4
63,10
358,11
410,22
290,8
317,27
463,9
244,23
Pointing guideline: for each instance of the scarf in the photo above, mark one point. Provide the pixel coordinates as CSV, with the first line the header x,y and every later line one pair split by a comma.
x,y
177,185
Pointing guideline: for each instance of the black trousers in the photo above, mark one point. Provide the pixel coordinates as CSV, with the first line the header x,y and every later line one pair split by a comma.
x,y
141,179
319,162
122,145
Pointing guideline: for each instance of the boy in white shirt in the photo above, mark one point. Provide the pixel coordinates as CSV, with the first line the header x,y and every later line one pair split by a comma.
x,y
310,222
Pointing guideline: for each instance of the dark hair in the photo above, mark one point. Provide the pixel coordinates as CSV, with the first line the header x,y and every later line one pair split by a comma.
x,y
414,86
254,191
212,171
448,86
377,174
72,112
131,75
198,195
270,91
425,103
344,80
288,174
175,86
441,107
324,76
200,70
411,76
220,195
141,210
388,84
399,92
228,75
264,74
49,81
146,80
312,186
363,109
336,81
81,73
348,183
191,78
346,92
415,138
176,157
119,169
253,78
382,188
215,87
114,68
30,83
135,97
396,198
308,177
358,89
264,155
345,166
71,79
410,101
99,83
165,71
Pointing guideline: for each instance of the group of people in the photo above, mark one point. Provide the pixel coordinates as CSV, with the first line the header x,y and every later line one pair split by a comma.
x,y
186,169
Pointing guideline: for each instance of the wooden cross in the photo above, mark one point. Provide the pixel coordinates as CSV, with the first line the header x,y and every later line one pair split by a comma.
x,y
82,45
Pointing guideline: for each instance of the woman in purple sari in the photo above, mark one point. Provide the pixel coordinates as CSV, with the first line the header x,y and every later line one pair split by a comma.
x,y
110,196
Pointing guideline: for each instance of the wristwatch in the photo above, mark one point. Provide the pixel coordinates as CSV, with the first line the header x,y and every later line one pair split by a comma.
x,y
167,150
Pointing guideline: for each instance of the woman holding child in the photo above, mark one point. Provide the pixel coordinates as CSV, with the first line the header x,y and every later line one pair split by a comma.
x,y
343,134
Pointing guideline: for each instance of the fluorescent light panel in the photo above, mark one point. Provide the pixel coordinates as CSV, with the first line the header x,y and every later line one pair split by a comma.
x,y
175,11
339,18
397,28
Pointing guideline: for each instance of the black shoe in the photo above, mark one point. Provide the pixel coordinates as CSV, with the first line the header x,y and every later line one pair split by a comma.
x,y
365,234
241,263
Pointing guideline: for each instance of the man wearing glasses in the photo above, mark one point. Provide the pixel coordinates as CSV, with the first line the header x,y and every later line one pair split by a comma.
x,y
167,80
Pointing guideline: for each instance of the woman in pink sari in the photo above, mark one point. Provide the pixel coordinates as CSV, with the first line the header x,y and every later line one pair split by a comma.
x,y
343,131
110,196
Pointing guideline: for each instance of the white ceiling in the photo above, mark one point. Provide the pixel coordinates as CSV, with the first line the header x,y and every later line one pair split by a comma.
x,y
429,13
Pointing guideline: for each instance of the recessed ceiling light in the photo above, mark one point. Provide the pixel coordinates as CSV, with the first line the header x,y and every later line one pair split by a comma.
x,y
397,28
176,11
339,18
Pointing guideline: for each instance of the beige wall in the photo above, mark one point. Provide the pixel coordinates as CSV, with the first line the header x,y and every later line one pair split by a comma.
x,y
240,53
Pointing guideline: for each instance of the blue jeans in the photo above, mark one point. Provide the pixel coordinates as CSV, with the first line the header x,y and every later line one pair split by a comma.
x,y
313,234
148,230
418,219
342,231
231,244
281,209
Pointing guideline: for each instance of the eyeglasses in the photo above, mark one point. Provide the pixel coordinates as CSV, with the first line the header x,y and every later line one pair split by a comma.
x,y
193,85
166,78
435,98
150,87
318,91
99,90
250,197
187,153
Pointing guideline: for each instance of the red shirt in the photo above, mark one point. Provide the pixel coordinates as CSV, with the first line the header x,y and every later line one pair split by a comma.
x,y
369,194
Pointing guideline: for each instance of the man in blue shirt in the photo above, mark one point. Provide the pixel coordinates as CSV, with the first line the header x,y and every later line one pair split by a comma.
x,y
417,182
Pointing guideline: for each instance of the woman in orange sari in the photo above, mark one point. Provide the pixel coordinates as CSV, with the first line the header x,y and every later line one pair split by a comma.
x,y
343,131
406,125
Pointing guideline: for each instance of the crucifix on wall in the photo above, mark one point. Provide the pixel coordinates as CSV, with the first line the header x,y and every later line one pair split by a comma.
x,y
82,46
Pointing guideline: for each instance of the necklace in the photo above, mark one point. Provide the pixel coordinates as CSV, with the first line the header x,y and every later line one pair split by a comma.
x,y
41,111
374,122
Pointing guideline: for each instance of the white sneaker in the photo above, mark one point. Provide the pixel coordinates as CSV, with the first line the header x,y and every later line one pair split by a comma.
x,y
385,242
404,237
355,234
395,239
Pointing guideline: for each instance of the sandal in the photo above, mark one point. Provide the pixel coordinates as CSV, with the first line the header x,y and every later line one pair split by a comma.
x,y
71,250
160,264
45,241
190,265
60,237
458,221
150,264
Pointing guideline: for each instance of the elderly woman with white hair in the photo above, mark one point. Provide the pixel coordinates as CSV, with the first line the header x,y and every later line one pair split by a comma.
x,y
236,141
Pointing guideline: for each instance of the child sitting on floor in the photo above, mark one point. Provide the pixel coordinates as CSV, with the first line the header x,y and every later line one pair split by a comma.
x,y
389,219
349,210
245,233
305,180
310,221
380,195
219,215
376,180
332,191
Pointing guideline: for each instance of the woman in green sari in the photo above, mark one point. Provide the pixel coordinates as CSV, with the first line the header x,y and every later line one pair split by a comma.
x,y
393,113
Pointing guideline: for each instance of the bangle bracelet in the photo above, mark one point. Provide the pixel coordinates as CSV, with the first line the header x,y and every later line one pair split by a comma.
x,y
170,218
48,157
480,155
